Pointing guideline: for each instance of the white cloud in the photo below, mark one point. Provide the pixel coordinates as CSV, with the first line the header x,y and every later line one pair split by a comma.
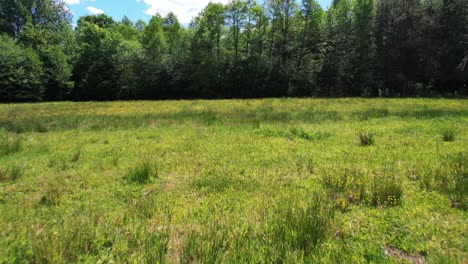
x,y
184,9
95,11
72,2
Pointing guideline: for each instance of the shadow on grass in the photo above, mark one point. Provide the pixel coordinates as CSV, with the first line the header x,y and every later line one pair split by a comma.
x,y
254,117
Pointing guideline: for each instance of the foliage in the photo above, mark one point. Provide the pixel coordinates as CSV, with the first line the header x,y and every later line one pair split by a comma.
x,y
355,48
21,72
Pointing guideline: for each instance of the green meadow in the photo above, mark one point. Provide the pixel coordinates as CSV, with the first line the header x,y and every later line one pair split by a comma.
x,y
235,181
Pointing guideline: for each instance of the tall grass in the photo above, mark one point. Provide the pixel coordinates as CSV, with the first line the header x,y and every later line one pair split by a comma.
x,y
350,185
142,173
448,134
449,176
10,146
387,190
11,173
301,228
246,181
366,138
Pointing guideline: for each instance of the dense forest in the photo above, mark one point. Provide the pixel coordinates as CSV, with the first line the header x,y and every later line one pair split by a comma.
x,y
243,49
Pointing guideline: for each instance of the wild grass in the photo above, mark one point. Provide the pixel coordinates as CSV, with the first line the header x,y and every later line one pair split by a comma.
x,y
387,190
10,146
11,173
233,181
295,133
142,173
449,134
349,186
301,228
450,176
366,138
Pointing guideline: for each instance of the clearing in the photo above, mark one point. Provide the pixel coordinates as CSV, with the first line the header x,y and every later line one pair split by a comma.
x,y
239,181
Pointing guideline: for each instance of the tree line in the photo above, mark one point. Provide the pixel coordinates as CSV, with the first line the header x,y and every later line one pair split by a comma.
x,y
243,49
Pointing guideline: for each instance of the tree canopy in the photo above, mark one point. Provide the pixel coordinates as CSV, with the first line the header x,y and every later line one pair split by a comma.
x,y
239,50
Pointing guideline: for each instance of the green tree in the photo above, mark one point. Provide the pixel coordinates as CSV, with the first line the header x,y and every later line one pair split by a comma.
x,y
50,14
20,72
336,74
173,34
235,18
206,65
57,70
308,47
453,46
155,49
95,72
364,48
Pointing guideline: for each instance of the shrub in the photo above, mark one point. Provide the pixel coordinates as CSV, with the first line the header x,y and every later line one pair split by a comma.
x,y
142,173
366,138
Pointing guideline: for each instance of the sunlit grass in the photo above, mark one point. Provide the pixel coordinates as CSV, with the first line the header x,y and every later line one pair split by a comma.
x,y
236,181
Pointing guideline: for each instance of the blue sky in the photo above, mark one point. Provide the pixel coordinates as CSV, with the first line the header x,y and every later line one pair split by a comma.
x,y
143,9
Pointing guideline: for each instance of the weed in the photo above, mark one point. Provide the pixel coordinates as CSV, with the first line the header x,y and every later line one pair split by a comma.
x,y
366,138
220,181
372,113
54,189
294,133
10,146
346,186
301,228
208,247
76,156
458,189
142,173
300,133
12,173
386,191
449,134
449,176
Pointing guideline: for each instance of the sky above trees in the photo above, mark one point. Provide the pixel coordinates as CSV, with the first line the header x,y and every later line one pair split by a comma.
x,y
144,9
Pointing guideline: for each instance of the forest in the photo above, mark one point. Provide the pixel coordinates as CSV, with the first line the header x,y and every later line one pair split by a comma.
x,y
279,48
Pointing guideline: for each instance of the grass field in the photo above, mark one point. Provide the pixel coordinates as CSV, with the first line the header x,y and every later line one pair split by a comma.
x,y
252,181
